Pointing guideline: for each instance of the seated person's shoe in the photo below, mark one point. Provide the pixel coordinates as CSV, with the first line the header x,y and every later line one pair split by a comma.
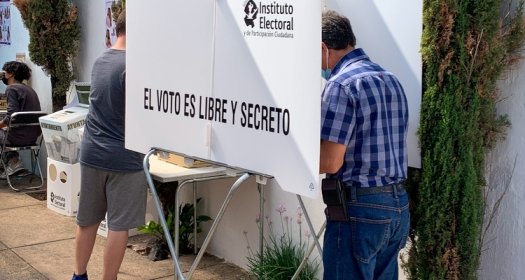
x,y
13,169
80,277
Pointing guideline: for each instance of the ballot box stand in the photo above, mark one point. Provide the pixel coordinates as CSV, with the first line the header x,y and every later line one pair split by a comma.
x,y
62,140
63,187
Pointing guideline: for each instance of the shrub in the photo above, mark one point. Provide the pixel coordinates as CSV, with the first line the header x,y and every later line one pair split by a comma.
x,y
466,48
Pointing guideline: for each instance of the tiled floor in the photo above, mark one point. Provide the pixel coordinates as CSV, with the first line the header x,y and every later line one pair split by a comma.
x,y
38,243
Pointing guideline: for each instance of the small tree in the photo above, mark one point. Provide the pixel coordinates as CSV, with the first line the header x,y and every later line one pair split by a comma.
x,y
467,47
53,41
118,6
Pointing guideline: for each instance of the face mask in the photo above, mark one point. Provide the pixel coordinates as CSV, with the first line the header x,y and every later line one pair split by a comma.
x,y
326,73
4,80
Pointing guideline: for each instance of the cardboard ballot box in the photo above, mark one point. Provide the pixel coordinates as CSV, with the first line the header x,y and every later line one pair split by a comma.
x,y
63,187
180,160
60,132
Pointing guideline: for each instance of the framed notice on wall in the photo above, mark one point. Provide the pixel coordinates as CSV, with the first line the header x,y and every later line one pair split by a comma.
x,y
5,22
236,82
110,33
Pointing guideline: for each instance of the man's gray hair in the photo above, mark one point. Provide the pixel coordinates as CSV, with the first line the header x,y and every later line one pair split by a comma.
x,y
337,31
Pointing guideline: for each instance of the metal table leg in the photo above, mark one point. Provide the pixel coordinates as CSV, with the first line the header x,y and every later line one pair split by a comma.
x,y
315,236
233,188
177,267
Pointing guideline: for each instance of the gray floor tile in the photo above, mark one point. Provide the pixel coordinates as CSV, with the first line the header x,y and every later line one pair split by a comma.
x,y
14,268
33,225
12,199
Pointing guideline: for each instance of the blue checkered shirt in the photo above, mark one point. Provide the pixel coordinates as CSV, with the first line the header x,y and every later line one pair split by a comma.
x,y
365,108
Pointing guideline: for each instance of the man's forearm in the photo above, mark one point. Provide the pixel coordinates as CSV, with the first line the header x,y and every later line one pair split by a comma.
x,y
332,157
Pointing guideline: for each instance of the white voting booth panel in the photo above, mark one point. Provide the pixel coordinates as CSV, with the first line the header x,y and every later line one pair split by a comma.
x,y
229,85
63,187
390,33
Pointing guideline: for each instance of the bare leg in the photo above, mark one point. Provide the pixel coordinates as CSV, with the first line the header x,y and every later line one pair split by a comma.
x,y
114,253
84,242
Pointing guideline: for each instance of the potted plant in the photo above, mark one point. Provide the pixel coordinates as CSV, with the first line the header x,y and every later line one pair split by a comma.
x,y
187,222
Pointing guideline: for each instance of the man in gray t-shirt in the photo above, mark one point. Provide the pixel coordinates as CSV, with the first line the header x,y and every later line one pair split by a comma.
x,y
112,179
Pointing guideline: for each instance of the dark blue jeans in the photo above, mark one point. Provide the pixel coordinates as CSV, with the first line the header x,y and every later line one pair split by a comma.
x,y
368,245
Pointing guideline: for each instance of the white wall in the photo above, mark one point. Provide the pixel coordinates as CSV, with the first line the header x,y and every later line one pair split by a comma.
x,y
230,242
92,21
503,253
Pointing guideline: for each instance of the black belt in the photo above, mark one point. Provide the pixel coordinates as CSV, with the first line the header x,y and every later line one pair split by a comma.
x,y
375,190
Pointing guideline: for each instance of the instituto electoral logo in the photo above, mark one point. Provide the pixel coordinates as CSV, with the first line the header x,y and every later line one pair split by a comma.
x,y
268,19
250,9
58,201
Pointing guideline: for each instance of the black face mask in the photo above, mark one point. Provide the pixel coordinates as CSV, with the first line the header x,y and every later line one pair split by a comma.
x,y
4,78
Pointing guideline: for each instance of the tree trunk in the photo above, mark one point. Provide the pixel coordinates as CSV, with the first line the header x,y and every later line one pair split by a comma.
x,y
58,100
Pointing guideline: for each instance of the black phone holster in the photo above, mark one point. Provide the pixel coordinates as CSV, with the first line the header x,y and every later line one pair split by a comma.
x,y
334,196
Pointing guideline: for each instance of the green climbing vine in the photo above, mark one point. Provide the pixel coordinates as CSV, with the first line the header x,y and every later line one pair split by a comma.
x,y
467,46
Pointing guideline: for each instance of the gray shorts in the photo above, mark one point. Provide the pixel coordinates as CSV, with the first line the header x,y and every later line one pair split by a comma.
x,y
122,195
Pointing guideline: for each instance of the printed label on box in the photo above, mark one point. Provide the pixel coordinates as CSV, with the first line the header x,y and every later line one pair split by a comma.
x,y
63,187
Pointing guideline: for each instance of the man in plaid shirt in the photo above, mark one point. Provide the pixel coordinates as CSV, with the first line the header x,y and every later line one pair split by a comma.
x,y
363,144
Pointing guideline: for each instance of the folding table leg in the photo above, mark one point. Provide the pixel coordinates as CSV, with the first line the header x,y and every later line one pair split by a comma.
x,y
309,252
233,188
177,268
315,236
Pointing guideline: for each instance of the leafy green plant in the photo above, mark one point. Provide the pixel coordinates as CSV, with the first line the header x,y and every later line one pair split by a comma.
x,y
155,229
281,254
186,225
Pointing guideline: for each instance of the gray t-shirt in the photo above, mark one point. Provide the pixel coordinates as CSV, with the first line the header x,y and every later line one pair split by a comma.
x,y
103,142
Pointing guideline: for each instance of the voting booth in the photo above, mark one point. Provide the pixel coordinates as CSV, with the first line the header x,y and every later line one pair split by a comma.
x,y
62,137
246,91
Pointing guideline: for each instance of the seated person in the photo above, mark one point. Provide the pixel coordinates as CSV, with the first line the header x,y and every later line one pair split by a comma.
x,y
20,98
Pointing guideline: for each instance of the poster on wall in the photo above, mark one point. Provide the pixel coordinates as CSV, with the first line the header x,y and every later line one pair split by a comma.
x,y
5,22
110,30
235,82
